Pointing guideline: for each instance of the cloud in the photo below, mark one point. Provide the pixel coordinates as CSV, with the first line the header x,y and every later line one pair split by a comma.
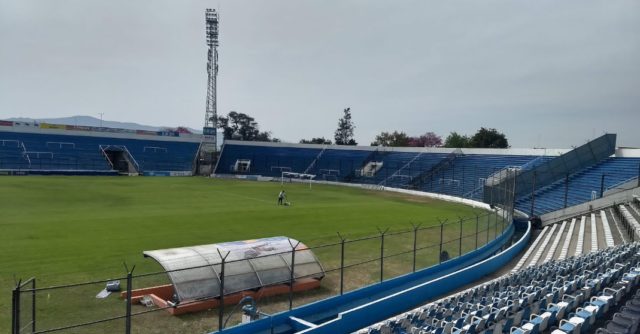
x,y
546,73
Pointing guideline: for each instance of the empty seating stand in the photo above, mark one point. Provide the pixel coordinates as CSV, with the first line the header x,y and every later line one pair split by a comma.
x,y
47,152
400,168
463,176
568,296
572,237
582,186
466,175
626,320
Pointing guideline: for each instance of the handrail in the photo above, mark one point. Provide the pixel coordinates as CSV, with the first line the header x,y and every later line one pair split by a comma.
x,y
25,154
132,158
106,156
470,194
196,160
533,163
497,177
401,168
437,168
306,171
621,183
124,149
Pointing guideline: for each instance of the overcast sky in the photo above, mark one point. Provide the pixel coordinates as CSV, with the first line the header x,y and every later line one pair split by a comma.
x,y
546,73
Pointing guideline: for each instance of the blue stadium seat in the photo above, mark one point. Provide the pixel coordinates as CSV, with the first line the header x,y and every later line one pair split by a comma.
x,y
581,185
553,297
29,151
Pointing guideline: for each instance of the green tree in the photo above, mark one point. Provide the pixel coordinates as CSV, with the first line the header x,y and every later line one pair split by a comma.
x,y
489,138
266,136
456,140
240,126
318,140
344,132
393,139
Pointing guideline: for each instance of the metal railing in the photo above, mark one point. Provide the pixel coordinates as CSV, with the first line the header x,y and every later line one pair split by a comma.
x,y
350,263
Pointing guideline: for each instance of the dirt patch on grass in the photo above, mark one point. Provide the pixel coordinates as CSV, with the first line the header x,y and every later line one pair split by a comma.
x,y
403,197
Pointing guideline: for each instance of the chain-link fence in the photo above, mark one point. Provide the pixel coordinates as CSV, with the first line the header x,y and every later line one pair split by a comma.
x,y
572,189
144,301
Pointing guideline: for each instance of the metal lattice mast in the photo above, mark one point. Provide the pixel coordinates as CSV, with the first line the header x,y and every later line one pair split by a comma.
x,y
209,130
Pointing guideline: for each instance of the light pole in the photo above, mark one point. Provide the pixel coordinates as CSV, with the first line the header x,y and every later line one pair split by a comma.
x,y
100,113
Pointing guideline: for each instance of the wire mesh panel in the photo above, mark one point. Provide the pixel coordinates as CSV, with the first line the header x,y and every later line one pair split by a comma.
x,y
24,302
398,254
468,243
64,309
427,246
152,297
362,266
347,264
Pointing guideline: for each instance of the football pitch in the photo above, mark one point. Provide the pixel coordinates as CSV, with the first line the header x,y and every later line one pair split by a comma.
x,y
72,229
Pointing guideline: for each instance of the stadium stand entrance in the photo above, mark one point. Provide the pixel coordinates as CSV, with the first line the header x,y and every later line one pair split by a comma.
x,y
370,169
120,159
47,149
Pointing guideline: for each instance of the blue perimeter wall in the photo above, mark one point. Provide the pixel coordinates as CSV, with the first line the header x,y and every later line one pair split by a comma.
x,y
360,308
26,172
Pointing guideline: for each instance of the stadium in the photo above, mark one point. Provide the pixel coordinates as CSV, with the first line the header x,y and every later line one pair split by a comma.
x,y
121,230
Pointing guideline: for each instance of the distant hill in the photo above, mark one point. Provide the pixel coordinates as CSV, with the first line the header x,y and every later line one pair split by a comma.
x,y
92,121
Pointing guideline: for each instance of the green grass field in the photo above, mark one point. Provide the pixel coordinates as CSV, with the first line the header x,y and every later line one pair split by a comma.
x,y
72,229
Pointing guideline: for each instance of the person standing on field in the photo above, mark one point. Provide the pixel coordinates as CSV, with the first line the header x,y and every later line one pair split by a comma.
x,y
281,196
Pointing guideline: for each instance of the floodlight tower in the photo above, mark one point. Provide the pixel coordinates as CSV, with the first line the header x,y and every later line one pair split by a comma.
x,y
209,141
211,19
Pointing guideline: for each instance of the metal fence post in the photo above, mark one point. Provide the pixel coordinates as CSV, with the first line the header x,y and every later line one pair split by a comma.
x,y
221,307
382,233
33,305
15,305
460,240
533,194
292,274
463,181
488,216
566,189
16,321
495,223
440,252
602,185
127,320
342,241
504,194
415,244
477,226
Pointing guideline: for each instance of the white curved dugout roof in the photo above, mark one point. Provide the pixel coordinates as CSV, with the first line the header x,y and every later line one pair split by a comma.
x,y
195,271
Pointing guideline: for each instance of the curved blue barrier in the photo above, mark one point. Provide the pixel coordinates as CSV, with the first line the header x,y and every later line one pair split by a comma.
x,y
384,308
373,303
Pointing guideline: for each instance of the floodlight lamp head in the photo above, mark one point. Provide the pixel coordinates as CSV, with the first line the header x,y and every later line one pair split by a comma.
x,y
211,19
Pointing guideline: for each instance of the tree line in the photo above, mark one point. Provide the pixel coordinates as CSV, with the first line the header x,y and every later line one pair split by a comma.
x,y
240,126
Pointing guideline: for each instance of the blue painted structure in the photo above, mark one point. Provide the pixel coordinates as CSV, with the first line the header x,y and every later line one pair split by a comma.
x,y
365,306
581,185
414,296
463,176
56,153
467,173
460,178
399,168
273,160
